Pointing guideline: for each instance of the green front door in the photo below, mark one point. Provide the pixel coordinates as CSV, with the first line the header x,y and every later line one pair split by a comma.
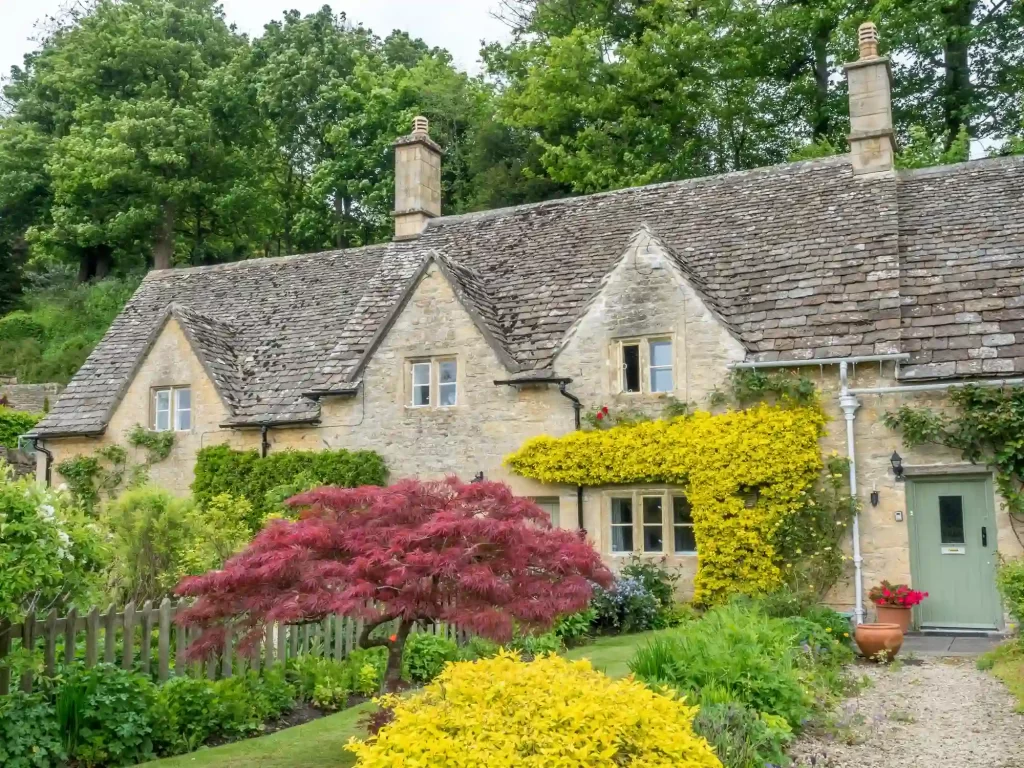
x,y
953,552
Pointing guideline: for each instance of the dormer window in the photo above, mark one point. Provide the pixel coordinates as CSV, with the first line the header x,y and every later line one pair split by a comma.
x,y
434,382
172,409
646,366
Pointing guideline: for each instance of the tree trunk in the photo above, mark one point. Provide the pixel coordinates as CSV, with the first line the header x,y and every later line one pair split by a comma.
x,y
393,673
104,261
86,265
820,123
163,249
957,90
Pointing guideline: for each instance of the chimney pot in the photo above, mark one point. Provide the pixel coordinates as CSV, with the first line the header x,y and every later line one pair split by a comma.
x,y
872,142
417,180
867,38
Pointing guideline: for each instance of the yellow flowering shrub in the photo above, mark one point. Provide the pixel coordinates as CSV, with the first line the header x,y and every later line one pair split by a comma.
x,y
503,712
722,459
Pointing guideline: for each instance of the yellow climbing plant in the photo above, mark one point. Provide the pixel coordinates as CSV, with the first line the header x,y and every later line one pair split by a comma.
x,y
745,471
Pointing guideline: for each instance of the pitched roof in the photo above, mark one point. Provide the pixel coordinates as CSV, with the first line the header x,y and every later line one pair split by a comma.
x,y
800,261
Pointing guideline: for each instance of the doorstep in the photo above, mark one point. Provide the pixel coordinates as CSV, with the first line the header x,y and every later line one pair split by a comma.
x,y
950,643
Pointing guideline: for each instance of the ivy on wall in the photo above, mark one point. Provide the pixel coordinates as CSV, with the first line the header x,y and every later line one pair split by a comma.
x,y
771,449
108,470
986,426
266,481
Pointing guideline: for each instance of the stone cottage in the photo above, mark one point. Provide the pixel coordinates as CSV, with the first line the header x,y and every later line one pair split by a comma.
x,y
446,348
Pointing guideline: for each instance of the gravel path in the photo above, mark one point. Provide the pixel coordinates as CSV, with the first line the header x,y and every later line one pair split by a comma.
x,y
931,713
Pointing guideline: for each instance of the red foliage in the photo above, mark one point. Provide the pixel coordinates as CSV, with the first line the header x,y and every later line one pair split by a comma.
x,y
472,554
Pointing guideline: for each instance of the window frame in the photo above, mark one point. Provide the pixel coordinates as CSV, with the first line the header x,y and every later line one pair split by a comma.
x,y
454,384
638,527
172,410
415,365
630,526
552,505
646,369
651,367
676,526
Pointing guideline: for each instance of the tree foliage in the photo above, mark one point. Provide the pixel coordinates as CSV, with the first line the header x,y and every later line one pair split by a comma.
x,y
467,554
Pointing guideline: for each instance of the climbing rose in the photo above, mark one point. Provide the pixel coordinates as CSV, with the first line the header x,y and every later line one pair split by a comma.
x,y
469,554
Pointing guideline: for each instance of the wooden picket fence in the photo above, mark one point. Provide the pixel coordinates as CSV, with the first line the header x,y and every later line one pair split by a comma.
x,y
129,638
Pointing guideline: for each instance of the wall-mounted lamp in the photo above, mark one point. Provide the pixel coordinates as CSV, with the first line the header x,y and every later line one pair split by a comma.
x,y
874,498
897,465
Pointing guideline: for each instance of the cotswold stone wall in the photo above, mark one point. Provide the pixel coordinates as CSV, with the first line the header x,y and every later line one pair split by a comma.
x,y
643,296
34,398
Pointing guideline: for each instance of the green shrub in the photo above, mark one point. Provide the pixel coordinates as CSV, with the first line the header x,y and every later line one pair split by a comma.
x,y
219,469
752,657
49,339
478,648
1010,580
629,606
159,539
114,721
656,576
246,702
14,424
425,655
186,712
368,665
574,628
531,646
50,553
833,622
325,682
741,738
29,734
674,615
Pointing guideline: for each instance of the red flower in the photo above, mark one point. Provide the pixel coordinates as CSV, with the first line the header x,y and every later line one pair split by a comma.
x,y
600,415
604,409
393,638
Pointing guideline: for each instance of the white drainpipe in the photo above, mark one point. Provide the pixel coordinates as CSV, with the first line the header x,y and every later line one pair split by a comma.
x,y
849,403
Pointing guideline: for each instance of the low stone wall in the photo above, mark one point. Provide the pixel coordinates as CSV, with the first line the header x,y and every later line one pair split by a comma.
x,y
20,462
34,398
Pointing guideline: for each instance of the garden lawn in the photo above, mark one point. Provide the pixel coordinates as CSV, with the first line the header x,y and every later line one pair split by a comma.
x,y
1007,663
319,744
611,655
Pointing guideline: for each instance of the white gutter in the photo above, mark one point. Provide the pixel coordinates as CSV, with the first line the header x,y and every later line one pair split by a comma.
x,y
849,403
910,388
896,358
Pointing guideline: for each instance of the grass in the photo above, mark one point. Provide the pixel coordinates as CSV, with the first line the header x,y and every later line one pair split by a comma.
x,y
611,655
320,744
1007,663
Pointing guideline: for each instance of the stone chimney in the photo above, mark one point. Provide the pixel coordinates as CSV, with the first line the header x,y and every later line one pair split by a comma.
x,y
417,180
872,144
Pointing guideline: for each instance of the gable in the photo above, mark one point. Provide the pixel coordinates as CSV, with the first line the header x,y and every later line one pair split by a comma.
x,y
170,361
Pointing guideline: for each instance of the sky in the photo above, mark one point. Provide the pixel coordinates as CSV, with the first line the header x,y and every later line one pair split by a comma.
x,y
458,25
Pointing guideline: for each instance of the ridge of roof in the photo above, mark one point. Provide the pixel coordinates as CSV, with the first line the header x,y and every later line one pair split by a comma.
x,y
696,181
980,164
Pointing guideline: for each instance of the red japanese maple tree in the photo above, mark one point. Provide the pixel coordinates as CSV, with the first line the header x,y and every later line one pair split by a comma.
x,y
471,554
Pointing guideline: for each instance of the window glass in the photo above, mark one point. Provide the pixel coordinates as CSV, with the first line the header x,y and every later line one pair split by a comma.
x,y
682,524
630,367
951,519
622,525
421,384
661,366
549,504
446,377
162,410
183,409
654,529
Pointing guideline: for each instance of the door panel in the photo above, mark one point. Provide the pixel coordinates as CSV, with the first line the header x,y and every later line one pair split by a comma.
x,y
953,553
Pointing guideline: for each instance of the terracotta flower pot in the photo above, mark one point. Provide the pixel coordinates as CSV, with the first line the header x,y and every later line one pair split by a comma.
x,y
875,639
894,614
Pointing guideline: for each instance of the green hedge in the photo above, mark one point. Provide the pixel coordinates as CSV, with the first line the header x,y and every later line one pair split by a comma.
x,y
15,423
219,469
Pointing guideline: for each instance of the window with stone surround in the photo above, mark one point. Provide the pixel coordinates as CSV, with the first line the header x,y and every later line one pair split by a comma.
x,y
433,382
172,409
646,365
663,522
